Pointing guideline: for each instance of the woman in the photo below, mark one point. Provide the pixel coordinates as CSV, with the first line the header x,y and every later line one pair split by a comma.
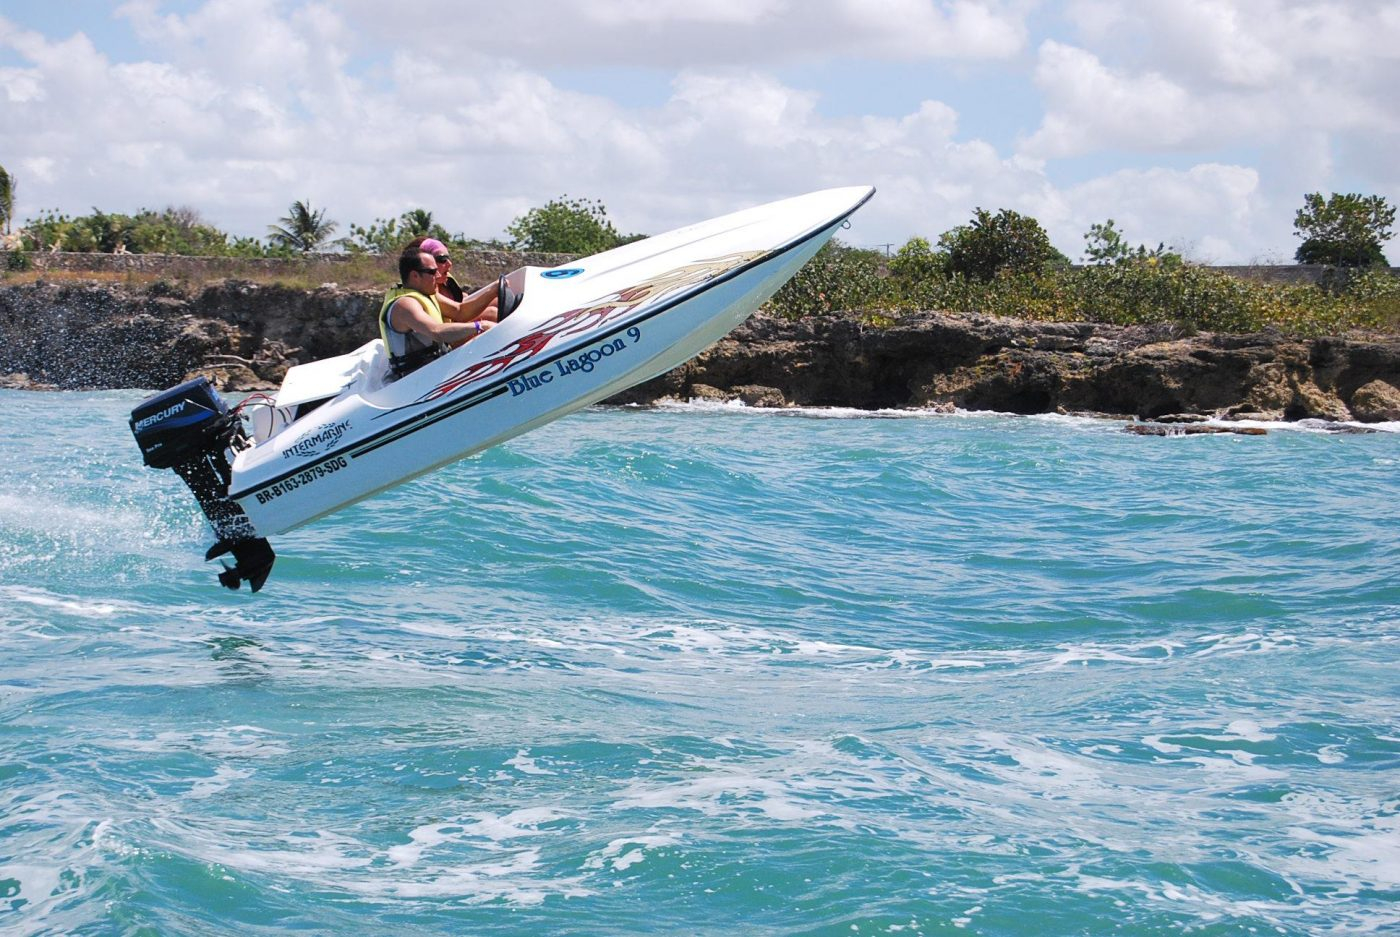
x,y
456,305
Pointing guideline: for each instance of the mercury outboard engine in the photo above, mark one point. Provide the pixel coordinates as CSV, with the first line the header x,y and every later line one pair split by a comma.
x,y
189,428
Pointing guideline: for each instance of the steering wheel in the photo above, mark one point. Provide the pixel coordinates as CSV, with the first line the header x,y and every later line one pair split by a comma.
x,y
506,299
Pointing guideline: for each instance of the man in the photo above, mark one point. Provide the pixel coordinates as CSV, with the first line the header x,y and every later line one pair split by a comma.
x,y
411,322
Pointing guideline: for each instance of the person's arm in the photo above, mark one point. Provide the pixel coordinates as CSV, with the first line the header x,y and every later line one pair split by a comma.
x,y
408,315
480,304
451,309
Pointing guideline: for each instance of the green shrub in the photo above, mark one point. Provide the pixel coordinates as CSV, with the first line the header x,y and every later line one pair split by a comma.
x,y
838,278
1146,289
1006,241
172,231
917,273
565,226
1343,230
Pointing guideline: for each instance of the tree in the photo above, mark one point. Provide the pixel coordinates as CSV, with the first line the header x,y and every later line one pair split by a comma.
x,y
184,217
7,199
1104,244
565,226
172,231
381,237
417,221
176,230
303,229
1343,230
992,243
916,261
839,277
389,236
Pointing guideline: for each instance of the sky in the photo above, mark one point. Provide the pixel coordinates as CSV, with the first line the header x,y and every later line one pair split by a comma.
x,y
1200,124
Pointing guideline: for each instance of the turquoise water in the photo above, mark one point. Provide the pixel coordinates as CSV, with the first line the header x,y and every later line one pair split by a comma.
x,y
713,672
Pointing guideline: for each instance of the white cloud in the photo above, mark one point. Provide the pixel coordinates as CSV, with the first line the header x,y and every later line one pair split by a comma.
x,y
668,12
1213,73
1160,205
1330,64
672,34
1222,43
20,86
919,28
38,168
757,111
239,108
241,41
1091,106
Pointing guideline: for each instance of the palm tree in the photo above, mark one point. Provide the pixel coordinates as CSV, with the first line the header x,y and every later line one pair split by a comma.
x,y
303,229
417,221
7,199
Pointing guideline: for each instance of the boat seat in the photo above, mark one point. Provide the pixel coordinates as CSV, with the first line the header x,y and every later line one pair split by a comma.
x,y
307,386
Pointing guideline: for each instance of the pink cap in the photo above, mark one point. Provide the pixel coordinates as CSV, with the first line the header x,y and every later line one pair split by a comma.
x,y
433,246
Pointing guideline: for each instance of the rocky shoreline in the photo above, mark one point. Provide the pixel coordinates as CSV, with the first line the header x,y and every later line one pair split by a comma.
x,y
88,336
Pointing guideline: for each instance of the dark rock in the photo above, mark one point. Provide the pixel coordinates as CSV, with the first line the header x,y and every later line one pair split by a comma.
x,y
757,395
707,393
245,336
1161,429
1376,402
20,381
1244,414
96,336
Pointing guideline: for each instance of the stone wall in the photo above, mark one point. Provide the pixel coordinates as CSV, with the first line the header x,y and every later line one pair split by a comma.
x,y
469,266
1286,274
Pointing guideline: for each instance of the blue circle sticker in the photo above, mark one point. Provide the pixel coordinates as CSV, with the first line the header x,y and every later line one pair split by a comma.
x,y
562,274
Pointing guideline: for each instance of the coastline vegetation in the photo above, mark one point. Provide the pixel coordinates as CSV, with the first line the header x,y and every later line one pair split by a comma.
x,y
1003,264
998,263
1136,290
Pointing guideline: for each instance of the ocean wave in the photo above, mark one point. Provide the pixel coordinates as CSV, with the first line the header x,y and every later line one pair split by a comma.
x,y
917,672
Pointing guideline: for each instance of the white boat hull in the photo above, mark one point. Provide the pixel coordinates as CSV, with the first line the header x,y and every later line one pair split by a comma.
x,y
582,333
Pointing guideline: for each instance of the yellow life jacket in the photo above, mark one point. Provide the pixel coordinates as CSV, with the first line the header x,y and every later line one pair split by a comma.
x,y
408,350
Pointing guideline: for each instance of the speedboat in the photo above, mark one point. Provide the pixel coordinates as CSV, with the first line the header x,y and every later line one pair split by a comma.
x,y
342,429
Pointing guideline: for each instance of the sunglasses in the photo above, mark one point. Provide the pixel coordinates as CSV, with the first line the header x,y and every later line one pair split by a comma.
x,y
432,270
442,258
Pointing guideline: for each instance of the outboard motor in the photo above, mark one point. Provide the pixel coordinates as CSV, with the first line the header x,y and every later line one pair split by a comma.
x,y
189,428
